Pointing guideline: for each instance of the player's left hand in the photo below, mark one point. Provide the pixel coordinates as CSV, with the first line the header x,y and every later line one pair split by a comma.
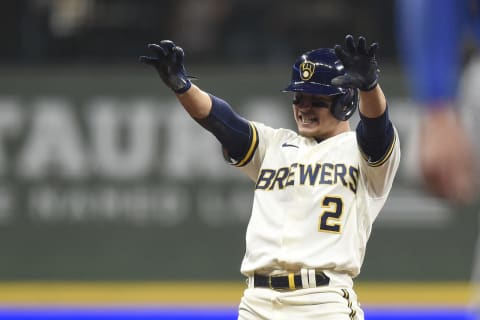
x,y
361,68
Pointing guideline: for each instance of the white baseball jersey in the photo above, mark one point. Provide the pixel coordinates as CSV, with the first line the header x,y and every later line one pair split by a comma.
x,y
314,203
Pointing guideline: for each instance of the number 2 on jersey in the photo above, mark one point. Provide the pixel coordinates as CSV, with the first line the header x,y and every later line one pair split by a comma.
x,y
333,211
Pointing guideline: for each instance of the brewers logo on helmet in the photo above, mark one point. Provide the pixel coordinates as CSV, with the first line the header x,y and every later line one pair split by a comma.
x,y
307,68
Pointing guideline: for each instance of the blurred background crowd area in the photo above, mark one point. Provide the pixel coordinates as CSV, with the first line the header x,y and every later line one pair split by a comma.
x,y
219,31
92,143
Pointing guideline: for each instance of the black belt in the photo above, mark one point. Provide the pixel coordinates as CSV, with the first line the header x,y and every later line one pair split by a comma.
x,y
292,281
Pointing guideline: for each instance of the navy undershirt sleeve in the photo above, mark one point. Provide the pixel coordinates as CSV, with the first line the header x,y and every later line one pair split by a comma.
x,y
374,136
228,127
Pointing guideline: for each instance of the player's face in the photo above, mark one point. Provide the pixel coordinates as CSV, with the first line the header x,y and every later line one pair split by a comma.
x,y
313,117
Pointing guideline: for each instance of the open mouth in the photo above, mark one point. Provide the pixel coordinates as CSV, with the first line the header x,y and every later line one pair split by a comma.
x,y
307,118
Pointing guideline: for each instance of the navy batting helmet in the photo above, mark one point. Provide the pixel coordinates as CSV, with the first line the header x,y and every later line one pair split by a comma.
x,y
313,72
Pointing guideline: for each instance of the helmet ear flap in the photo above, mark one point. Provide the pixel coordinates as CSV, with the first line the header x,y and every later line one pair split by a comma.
x,y
344,105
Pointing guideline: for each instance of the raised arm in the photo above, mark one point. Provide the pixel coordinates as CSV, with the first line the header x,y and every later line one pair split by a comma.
x,y
375,132
214,114
168,61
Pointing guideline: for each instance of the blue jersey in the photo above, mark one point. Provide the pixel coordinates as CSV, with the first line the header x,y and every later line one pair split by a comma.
x,y
432,34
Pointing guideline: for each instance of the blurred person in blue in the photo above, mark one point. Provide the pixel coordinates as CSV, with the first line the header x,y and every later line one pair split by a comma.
x,y
432,35
434,39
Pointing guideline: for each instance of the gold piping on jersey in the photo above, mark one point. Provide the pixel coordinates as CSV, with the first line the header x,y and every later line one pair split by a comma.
x,y
385,157
251,149
291,280
346,295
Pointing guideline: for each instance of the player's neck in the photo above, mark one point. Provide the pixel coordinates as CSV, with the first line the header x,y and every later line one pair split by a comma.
x,y
342,127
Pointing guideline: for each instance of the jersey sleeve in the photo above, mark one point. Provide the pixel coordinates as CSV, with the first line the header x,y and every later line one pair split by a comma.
x,y
379,174
260,138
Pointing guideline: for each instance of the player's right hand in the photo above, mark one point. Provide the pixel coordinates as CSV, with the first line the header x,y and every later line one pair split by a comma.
x,y
168,61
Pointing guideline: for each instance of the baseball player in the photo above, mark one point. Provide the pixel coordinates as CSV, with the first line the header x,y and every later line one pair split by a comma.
x,y
317,191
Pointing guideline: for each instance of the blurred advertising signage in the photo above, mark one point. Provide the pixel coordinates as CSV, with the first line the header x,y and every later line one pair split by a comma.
x,y
139,161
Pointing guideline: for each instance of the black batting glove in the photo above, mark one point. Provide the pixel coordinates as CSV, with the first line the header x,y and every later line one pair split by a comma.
x,y
361,68
168,61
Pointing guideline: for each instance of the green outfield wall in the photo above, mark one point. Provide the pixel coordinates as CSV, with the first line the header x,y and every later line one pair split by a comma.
x,y
104,178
